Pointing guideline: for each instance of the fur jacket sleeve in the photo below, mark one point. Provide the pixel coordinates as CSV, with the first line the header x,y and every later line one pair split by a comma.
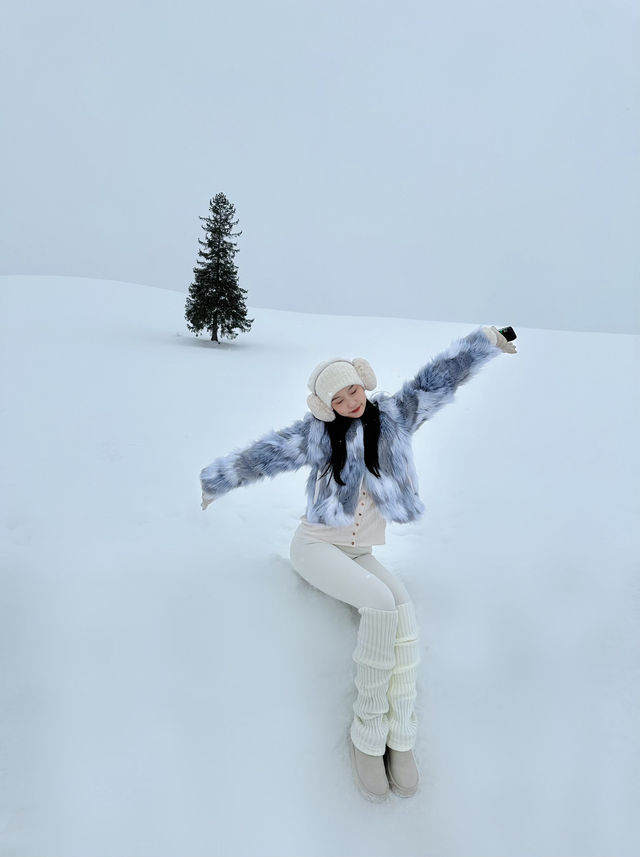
x,y
435,384
276,452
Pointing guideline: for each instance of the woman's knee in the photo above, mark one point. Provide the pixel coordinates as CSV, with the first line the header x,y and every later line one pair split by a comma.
x,y
377,595
389,580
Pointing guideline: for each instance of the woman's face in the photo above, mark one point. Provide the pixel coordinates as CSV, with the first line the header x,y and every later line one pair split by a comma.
x,y
350,401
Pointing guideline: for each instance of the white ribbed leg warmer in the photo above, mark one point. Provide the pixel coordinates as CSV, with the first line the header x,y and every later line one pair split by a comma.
x,y
374,657
402,684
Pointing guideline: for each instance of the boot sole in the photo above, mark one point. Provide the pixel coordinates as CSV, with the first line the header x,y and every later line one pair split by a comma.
x,y
370,796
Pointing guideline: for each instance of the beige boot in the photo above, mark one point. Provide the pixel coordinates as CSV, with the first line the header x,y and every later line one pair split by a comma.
x,y
369,774
402,772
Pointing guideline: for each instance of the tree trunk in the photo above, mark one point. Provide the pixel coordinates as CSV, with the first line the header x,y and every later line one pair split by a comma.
x,y
214,334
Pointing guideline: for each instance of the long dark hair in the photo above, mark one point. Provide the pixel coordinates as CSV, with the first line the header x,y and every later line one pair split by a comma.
x,y
338,429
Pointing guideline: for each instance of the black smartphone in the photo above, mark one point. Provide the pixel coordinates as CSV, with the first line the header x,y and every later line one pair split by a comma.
x,y
508,333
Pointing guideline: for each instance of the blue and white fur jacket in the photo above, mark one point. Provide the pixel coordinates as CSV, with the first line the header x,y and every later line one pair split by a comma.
x,y
306,443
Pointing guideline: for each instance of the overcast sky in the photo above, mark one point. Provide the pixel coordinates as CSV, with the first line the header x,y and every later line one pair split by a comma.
x,y
462,161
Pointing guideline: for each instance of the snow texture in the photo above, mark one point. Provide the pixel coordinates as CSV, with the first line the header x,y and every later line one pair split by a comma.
x,y
171,687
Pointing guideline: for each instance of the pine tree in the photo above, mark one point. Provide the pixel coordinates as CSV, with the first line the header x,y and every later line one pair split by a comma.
x,y
216,302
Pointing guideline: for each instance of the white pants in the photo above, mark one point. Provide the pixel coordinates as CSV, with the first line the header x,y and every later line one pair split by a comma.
x,y
350,574
386,653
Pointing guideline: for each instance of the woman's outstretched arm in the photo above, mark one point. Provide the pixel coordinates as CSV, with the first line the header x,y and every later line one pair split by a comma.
x,y
435,384
276,452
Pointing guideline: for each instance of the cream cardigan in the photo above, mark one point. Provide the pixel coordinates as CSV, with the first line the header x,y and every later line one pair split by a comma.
x,y
367,528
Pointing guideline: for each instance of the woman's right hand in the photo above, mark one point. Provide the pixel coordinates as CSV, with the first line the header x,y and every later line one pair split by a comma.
x,y
205,502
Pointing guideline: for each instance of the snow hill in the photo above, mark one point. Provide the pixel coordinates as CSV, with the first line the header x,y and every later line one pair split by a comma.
x,y
171,687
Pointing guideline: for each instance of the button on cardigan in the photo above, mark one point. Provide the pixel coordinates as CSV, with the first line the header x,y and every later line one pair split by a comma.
x,y
367,528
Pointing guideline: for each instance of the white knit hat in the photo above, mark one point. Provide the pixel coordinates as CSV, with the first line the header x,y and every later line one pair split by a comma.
x,y
332,375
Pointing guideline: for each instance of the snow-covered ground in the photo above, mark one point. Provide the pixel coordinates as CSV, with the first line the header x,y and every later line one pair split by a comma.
x,y
171,687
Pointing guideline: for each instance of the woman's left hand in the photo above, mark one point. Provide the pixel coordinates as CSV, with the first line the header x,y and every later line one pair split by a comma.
x,y
498,339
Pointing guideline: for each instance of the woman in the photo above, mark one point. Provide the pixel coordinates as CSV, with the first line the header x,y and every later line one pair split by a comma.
x,y
363,475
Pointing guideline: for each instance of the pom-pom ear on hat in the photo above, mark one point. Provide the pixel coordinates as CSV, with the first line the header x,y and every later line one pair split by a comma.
x,y
319,409
364,370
